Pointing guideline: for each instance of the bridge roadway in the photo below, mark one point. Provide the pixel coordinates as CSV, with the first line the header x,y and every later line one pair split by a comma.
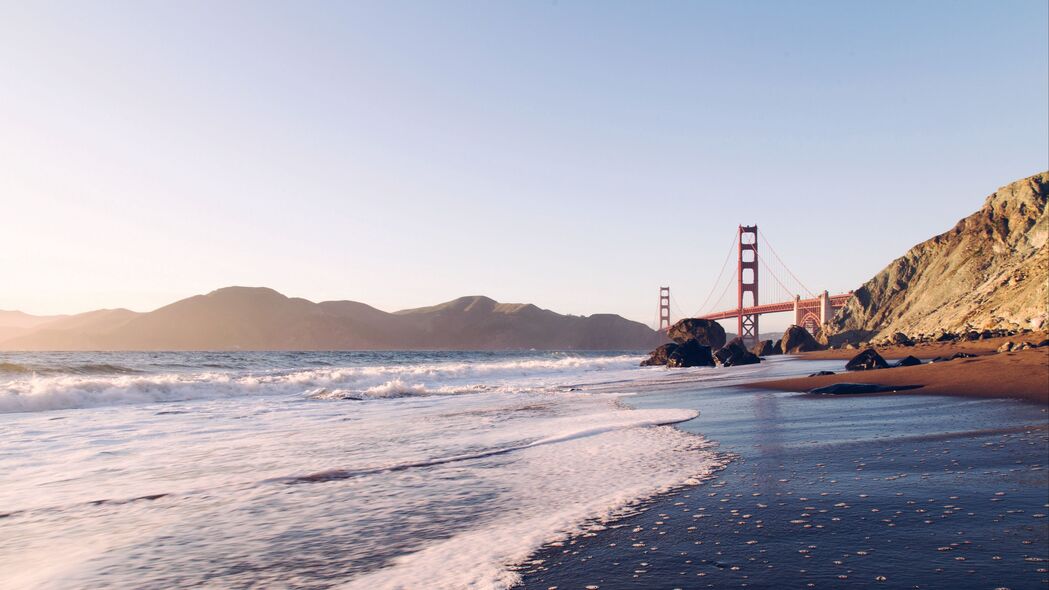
x,y
811,313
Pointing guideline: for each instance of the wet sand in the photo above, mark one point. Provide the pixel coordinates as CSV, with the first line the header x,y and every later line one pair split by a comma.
x,y
832,492
1022,374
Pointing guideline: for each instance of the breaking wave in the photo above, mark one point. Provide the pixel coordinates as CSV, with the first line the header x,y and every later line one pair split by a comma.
x,y
30,389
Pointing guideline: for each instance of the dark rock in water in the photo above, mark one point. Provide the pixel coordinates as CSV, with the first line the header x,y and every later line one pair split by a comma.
x,y
706,332
797,339
847,388
691,354
908,361
821,373
734,353
865,361
765,348
659,356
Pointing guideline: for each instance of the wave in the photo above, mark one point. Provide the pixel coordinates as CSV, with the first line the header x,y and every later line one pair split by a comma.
x,y
72,369
103,385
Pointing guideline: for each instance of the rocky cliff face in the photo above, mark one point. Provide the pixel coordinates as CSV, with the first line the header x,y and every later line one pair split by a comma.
x,y
990,271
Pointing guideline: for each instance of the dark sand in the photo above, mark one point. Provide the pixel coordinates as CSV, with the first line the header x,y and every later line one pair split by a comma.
x,y
1022,374
914,491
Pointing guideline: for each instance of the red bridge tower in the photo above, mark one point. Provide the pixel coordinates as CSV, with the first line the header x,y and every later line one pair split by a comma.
x,y
664,309
747,324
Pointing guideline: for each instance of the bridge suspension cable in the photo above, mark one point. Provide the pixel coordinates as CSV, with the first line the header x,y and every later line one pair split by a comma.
x,y
768,245
724,265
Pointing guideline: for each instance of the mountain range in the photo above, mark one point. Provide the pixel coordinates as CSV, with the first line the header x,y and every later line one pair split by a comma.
x,y
255,318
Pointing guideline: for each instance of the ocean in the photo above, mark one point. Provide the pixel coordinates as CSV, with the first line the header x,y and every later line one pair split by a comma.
x,y
324,469
452,470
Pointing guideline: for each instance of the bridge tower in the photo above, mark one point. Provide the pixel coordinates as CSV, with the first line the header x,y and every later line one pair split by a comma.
x,y
747,325
664,309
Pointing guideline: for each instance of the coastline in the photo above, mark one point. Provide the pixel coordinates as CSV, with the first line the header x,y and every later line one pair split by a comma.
x,y
827,491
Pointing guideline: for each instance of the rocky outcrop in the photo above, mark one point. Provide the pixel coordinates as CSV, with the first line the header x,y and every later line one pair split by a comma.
x,y
797,339
660,356
908,361
991,271
690,354
734,353
706,332
765,348
901,339
865,361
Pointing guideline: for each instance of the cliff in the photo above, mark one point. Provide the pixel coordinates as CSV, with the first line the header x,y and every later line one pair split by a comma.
x,y
990,271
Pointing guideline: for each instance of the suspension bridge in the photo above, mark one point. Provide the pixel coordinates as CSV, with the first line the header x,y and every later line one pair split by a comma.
x,y
784,292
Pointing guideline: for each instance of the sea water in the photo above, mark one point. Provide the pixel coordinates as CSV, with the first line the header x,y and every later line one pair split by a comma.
x,y
324,469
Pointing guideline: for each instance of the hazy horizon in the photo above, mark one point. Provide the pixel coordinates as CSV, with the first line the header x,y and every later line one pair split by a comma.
x,y
572,155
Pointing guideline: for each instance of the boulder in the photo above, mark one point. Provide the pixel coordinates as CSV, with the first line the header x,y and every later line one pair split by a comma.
x,y
691,354
734,353
797,339
1007,346
659,356
900,339
908,361
865,361
765,348
821,373
706,332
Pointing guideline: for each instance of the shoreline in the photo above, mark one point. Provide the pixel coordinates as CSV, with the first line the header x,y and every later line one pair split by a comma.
x,y
832,492
1022,374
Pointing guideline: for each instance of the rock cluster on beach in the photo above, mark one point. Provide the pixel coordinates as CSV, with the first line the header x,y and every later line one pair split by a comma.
x,y
699,343
937,337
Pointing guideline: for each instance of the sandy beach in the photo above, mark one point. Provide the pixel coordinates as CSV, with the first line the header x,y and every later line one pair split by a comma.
x,y
1022,374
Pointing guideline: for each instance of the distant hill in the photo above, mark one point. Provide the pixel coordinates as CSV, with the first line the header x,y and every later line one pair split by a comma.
x,y
249,318
990,271
16,323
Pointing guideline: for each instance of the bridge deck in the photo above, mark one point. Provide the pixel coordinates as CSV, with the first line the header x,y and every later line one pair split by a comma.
x,y
836,301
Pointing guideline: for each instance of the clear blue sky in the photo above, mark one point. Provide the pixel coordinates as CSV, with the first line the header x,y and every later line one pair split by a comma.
x,y
572,154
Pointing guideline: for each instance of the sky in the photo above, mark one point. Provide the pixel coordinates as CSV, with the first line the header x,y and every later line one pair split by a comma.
x,y
575,155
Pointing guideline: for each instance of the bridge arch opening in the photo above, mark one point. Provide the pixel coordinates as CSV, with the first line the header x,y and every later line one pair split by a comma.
x,y
811,322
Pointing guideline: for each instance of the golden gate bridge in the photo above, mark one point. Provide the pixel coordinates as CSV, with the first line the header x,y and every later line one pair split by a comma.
x,y
785,291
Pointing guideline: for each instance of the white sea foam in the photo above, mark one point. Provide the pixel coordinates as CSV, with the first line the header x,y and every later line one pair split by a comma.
x,y
436,492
